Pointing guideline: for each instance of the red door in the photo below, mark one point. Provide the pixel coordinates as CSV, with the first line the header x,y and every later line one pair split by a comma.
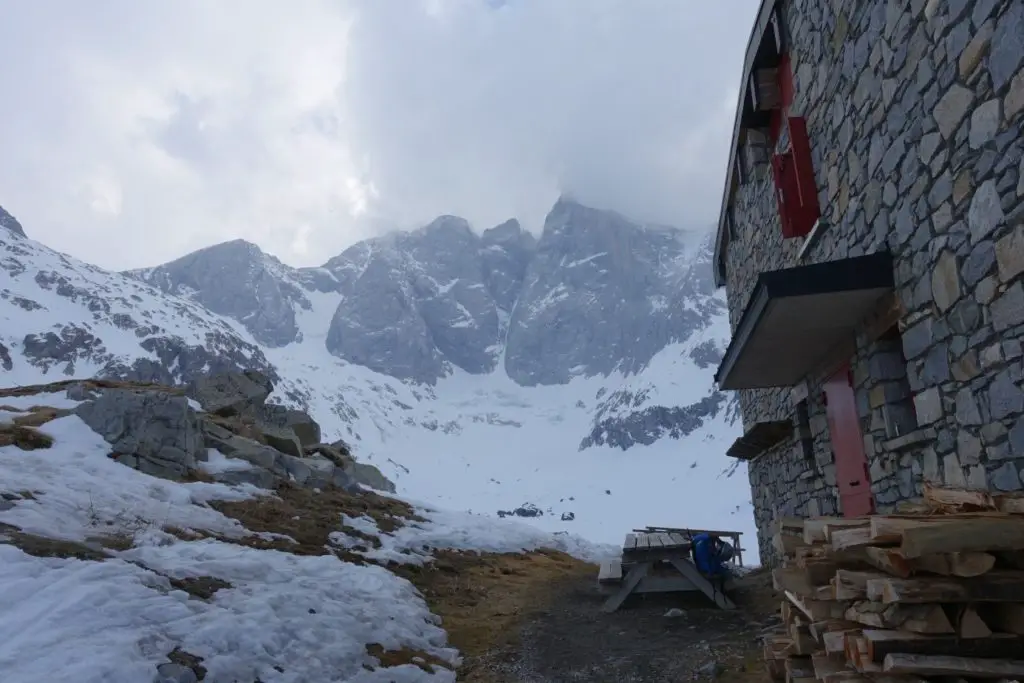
x,y
848,445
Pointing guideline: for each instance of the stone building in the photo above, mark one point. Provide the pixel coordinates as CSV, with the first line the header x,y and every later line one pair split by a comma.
x,y
871,242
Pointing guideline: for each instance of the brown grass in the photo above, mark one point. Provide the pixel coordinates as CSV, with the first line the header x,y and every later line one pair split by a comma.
x,y
39,415
40,546
310,517
53,387
25,438
179,656
484,598
202,587
389,658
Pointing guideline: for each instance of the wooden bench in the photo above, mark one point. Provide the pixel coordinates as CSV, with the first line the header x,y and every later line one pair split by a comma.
x,y
655,562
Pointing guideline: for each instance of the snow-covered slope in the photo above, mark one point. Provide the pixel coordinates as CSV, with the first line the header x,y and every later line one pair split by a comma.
x,y
165,575
466,441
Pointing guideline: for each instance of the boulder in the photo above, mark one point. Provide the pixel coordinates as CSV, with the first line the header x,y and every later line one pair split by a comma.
x,y
235,446
232,393
283,439
301,423
368,475
256,476
152,431
340,458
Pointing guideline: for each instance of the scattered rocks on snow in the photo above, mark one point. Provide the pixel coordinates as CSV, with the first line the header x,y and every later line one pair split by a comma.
x,y
525,510
155,429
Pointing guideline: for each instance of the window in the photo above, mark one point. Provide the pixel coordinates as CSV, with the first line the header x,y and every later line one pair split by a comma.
x,y
803,431
795,190
889,367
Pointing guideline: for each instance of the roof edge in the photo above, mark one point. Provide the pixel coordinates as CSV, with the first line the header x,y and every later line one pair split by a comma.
x,y
764,14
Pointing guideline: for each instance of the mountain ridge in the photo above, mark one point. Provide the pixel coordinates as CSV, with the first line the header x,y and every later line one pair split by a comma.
x,y
62,317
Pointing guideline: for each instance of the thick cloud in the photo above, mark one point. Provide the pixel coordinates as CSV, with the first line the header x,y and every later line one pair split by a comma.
x,y
133,132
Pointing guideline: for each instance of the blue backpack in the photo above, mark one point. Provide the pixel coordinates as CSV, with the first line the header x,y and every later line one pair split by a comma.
x,y
710,554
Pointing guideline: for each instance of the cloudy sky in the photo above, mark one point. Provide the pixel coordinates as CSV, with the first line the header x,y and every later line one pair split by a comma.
x,y
133,132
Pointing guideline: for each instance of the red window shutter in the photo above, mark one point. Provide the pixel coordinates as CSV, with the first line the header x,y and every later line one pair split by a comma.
x,y
806,187
782,175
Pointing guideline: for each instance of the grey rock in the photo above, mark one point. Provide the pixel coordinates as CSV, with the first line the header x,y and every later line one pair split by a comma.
x,y
154,432
10,223
253,476
984,123
283,439
1010,254
172,672
1006,478
1007,52
1008,309
967,410
1005,398
979,263
600,295
237,280
231,393
368,475
985,212
1017,438
951,109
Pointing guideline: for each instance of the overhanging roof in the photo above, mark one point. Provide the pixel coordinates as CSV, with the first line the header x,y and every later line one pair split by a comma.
x,y
764,15
795,316
761,437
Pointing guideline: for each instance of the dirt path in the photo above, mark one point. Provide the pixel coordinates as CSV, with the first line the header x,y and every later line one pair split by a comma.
x,y
536,618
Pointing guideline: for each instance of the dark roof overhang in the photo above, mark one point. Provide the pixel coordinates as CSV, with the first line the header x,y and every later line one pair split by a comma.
x,y
796,316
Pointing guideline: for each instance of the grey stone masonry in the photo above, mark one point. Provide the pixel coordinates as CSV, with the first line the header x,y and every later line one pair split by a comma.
x,y
915,111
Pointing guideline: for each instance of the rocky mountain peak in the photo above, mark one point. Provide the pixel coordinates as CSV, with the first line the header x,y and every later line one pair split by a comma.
x,y
238,280
594,294
11,223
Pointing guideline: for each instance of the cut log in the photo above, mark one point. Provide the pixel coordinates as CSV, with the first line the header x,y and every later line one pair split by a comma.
x,y
926,619
945,665
958,499
885,642
963,535
970,624
892,561
835,641
853,585
817,610
1010,502
814,528
853,537
792,579
996,586
1007,617
787,543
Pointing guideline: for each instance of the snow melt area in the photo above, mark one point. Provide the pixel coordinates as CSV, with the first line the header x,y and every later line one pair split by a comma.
x,y
277,616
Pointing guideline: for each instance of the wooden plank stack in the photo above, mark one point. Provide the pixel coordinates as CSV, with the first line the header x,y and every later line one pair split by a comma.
x,y
932,593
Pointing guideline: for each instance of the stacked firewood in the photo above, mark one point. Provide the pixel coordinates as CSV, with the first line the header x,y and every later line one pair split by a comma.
x,y
935,592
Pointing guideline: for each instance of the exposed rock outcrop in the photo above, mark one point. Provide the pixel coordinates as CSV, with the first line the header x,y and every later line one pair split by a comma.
x,y
162,431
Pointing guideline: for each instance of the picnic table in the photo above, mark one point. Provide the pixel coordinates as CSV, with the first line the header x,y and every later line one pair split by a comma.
x,y
658,560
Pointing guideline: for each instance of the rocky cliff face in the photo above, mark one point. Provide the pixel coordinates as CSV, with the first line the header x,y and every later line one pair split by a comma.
x,y
595,294
9,222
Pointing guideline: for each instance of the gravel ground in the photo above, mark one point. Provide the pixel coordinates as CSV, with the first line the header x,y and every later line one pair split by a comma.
x,y
660,638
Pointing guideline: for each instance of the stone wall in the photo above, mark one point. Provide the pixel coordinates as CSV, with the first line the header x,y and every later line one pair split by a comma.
x,y
915,110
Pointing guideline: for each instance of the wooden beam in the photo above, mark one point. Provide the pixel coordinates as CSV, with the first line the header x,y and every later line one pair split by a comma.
x,y
958,499
963,535
927,619
996,586
893,561
944,665
882,643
